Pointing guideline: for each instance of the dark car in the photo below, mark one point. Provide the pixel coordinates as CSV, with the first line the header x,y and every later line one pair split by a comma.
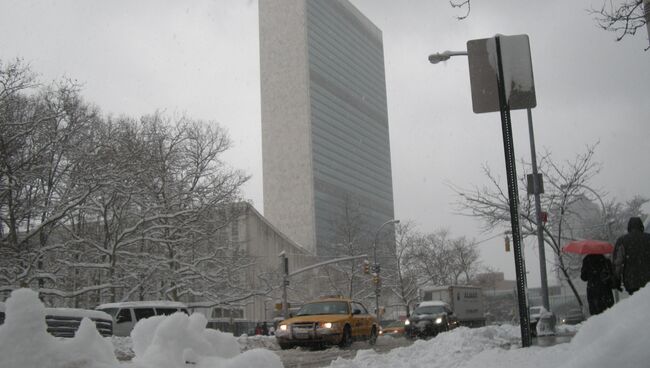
x,y
429,319
574,317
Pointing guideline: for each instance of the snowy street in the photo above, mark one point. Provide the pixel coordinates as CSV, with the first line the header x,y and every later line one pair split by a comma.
x,y
617,337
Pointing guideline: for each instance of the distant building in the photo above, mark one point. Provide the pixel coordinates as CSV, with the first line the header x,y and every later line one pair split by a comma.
x,y
262,243
325,138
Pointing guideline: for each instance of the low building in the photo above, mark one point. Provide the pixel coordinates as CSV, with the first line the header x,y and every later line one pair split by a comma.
x,y
263,243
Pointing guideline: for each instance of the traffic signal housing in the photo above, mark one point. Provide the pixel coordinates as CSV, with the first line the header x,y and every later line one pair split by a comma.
x,y
376,280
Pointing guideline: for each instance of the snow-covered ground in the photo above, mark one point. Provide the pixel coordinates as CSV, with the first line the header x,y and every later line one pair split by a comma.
x,y
617,338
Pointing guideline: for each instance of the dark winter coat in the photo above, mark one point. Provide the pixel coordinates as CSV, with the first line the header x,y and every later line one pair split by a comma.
x,y
632,256
597,271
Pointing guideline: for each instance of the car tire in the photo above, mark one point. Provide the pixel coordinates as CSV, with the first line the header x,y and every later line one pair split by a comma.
x,y
373,336
346,338
285,346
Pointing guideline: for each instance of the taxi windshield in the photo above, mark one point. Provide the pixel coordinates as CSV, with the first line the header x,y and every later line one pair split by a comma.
x,y
324,308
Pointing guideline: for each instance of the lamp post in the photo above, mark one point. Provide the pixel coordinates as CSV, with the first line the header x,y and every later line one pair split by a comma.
x,y
375,265
607,221
444,56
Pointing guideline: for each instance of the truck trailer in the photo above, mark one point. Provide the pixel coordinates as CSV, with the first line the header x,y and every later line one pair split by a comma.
x,y
466,302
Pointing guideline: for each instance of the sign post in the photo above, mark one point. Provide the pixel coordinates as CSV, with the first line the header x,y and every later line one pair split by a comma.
x,y
501,80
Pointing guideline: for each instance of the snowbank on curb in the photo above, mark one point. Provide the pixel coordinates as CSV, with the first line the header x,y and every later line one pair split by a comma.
x,y
171,341
617,338
258,342
25,343
176,341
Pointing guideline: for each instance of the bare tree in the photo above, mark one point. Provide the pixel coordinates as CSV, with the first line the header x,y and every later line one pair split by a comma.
x,y
44,170
404,283
624,18
568,199
105,208
350,240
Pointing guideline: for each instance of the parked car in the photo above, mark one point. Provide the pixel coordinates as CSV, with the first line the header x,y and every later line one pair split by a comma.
x,y
393,328
64,322
429,319
328,321
573,317
127,314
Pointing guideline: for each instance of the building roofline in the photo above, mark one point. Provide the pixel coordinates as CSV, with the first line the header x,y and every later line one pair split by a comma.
x,y
249,206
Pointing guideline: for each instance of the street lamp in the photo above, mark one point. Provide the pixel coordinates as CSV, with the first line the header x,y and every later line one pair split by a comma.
x,y
606,220
375,264
443,56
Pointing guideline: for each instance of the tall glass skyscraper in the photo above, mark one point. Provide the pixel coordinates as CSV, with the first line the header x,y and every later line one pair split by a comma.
x,y
325,140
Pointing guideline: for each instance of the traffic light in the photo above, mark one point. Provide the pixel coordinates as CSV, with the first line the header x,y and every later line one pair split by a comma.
x,y
507,243
366,267
376,280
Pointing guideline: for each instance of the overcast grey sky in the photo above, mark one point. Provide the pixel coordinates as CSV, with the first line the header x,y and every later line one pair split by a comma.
x,y
201,58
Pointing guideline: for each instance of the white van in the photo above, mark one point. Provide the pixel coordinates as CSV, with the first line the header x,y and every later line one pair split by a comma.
x,y
126,314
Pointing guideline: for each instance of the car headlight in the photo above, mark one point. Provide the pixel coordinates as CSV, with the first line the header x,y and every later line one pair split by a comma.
x,y
438,320
407,322
283,327
327,325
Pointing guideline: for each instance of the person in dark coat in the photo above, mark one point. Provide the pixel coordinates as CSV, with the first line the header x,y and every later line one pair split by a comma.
x,y
597,271
632,256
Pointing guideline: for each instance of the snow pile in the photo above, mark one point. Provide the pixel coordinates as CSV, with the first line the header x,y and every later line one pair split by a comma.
x,y
258,342
158,342
446,350
617,338
25,343
122,346
176,340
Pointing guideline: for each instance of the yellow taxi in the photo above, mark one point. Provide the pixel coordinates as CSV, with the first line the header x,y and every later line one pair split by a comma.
x,y
328,321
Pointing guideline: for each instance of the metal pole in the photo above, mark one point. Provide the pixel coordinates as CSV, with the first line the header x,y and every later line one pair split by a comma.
x,y
285,283
376,265
375,270
538,215
513,199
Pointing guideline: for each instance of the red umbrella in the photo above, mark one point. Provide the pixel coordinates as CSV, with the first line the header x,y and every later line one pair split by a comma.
x,y
588,247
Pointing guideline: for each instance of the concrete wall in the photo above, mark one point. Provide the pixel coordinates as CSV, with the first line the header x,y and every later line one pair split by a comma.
x,y
286,128
264,242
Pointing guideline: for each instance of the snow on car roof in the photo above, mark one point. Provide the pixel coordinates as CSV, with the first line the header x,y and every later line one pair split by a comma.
x,y
74,312
433,303
141,304
70,312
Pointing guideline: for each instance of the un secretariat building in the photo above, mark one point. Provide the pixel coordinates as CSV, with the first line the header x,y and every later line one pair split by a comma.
x,y
325,140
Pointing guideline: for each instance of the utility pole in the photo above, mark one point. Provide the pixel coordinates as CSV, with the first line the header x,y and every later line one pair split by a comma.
x,y
376,266
538,213
284,263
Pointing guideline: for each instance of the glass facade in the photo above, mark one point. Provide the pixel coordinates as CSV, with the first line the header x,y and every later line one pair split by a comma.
x,y
349,120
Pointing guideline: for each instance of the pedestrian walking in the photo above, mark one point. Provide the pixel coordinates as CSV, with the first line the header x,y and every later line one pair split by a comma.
x,y
598,271
632,256
265,329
